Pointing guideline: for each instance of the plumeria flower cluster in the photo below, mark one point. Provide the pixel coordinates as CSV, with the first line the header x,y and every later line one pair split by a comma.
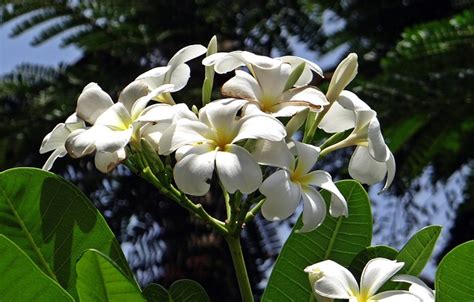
x,y
331,280
243,141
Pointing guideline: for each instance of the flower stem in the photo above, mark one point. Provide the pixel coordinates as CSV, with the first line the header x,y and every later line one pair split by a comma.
x,y
239,265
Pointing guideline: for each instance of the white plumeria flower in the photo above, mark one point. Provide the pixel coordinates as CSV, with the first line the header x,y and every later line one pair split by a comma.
x,y
372,160
177,72
417,287
114,125
285,188
224,62
210,142
267,90
332,280
56,139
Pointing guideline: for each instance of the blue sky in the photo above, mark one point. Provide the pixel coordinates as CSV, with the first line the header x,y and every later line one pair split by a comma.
x,y
18,50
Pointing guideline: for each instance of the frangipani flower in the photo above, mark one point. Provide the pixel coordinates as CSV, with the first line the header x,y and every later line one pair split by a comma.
x,y
267,89
285,188
177,72
116,125
210,142
417,287
56,139
332,280
372,160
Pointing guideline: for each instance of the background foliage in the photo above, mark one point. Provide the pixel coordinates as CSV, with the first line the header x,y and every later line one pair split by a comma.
x,y
416,70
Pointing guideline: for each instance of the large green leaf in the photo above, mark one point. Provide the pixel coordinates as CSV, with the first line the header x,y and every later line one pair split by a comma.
x,y
183,290
100,279
371,252
155,293
415,254
54,223
187,291
22,280
339,239
455,277
417,251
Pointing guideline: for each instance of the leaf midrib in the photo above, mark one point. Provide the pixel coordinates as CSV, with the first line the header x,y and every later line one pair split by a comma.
x,y
30,239
332,241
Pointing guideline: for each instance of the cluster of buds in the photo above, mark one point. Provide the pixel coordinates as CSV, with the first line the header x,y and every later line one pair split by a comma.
x,y
236,139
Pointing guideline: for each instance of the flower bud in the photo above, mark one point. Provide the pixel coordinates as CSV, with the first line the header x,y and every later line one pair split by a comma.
x,y
344,74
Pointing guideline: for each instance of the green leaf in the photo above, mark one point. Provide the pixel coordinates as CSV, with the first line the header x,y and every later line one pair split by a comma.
x,y
155,293
22,280
100,279
186,290
415,254
454,278
54,223
371,252
339,239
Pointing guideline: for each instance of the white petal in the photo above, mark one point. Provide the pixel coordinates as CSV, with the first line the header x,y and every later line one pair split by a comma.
x,y
307,157
272,81
275,154
262,62
337,281
337,119
364,168
155,77
229,62
351,101
238,170
157,113
314,97
221,114
107,161
287,109
92,102
131,93
116,117
391,168
307,76
417,287
152,132
377,147
376,273
179,77
59,152
182,111
314,210
323,180
193,173
111,140
82,142
363,119
186,54
55,139
260,126
182,133
242,86
142,102
215,57
282,196
395,296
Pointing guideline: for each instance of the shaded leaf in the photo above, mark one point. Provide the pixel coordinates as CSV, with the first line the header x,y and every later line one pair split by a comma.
x,y
54,223
155,293
22,280
100,279
186,290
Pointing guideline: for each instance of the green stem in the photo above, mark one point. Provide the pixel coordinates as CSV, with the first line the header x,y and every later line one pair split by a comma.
x,y
239,266
251,214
